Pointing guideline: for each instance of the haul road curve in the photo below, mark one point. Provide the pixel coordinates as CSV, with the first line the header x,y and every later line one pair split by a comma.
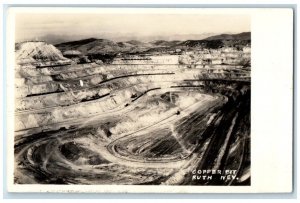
x,y
91,153
145,123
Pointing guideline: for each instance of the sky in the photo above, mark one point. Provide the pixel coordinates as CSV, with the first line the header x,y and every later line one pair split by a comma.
x,y
121,27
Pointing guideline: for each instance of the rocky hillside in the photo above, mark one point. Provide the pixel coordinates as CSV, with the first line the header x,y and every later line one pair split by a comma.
x,y
103,46
31,52
240,36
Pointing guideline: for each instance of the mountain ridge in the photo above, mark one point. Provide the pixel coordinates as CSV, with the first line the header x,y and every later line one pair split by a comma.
x,y
105,46
239,36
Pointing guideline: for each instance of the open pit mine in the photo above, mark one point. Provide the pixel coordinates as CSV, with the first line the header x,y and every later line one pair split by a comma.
x,y
132,113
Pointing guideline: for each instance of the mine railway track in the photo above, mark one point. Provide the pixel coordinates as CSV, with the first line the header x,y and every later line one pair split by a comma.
x,y
49,108
89,76
73,68
134,75
81,67
55,65
100,83
76,121
45,93
245,80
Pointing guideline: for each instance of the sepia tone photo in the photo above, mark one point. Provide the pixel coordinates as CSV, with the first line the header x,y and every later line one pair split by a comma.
x,y
121,98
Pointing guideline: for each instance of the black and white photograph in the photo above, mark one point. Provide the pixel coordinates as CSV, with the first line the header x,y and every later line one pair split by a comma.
x,y
132,99
149,100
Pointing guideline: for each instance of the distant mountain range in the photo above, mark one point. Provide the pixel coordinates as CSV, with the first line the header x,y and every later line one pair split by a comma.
x,y
117,37
105,46
240,36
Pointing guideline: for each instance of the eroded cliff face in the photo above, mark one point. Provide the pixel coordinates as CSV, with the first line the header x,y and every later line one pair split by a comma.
x,y
137,120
